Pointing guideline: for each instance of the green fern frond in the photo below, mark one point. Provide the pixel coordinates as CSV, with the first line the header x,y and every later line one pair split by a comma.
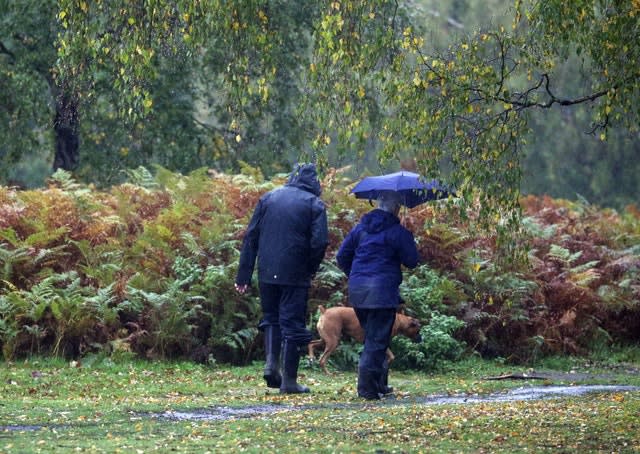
x,y
537,230
9,258
447,235
584,267
44,237
101,305
190,242
585,278
65,181
222,246
329,274
141,177
251,179
563,254
9,306
167,179
240,340
10,236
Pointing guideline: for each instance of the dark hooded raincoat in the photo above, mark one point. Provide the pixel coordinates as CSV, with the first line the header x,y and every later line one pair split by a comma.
x,y
287,233
371,256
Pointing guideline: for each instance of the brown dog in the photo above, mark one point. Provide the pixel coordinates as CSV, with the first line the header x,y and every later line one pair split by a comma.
x,y
339,320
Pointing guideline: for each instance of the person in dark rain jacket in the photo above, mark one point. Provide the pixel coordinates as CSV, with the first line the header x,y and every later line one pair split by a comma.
x,y
288,235
371,255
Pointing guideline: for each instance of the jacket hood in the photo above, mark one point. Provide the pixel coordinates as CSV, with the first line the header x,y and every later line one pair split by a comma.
x,y
378,220
305,176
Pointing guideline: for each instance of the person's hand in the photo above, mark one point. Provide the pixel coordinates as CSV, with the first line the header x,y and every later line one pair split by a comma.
x,y
241,289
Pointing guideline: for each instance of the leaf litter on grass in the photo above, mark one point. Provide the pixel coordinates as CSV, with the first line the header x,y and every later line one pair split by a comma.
x,y
157,406
524,393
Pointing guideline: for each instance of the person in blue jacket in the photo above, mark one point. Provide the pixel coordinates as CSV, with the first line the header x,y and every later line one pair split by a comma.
x,y
288,236
371,255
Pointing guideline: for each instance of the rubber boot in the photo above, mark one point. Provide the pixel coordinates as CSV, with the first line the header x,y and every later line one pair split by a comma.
x,y
290,362
368,385
272,352
383,385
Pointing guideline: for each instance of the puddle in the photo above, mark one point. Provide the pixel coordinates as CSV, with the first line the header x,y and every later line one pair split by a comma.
x,y
525,393
224,413
19,428
518,394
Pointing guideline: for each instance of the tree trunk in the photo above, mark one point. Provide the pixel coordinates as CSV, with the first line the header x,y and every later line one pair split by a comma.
x,y
66,126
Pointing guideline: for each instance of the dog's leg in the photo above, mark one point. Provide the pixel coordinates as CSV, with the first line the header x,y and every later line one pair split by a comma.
x,y
390,356
329,347
311,354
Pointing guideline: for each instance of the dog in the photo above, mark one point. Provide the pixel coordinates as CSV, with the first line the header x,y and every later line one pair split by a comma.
x,y
335,322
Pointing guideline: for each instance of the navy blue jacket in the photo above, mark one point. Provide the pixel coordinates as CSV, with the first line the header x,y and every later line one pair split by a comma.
x,y
287,233
372,254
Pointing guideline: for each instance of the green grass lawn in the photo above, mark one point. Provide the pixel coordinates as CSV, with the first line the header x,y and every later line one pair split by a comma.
x,y
100,405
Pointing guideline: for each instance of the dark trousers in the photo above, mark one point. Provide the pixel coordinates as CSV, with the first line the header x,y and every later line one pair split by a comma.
x,y
286,306
377,325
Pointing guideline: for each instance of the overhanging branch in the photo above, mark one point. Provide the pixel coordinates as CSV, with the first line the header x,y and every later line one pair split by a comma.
x,y
552,98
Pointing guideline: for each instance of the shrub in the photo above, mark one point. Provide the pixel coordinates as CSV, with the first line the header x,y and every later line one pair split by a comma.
x,y
149,266
437,347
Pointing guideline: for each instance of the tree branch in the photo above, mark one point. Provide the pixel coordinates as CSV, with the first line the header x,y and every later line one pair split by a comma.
x,y
552,99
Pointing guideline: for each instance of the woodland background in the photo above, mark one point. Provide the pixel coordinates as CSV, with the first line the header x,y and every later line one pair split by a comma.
x,y
137,136
137,93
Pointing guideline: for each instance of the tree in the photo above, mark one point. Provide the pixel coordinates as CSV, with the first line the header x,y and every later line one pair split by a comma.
x,y
464,111
345,81
259,50
26,103
562,156
244,58
140,84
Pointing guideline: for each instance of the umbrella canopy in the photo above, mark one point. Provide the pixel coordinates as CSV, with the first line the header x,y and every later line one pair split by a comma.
x,y
411,187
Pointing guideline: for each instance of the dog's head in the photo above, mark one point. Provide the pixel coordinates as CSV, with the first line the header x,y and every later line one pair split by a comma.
x,y
409,326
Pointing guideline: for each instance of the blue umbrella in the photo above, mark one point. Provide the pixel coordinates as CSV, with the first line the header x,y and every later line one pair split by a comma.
x,y
411,187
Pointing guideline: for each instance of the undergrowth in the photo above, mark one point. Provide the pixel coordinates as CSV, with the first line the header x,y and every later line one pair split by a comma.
x,y
146,269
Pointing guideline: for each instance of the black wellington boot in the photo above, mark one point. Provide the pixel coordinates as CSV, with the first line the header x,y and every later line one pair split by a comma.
x,y
383,385
368,385
272,350
290,362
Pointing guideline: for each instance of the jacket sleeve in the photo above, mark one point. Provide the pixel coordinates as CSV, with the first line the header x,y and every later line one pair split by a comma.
x,y
249,250
347,251
319,236
408,250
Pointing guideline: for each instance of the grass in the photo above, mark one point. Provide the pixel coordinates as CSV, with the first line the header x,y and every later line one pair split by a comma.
x,y
102,405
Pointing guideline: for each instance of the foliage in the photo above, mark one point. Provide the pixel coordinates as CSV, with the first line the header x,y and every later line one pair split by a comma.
x,y
462,112
426,292
438,345
26,111
149,270
167,318
451,90
59,313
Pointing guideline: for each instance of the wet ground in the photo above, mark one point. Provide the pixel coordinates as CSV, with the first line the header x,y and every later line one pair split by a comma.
x,y
222,413
517,394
